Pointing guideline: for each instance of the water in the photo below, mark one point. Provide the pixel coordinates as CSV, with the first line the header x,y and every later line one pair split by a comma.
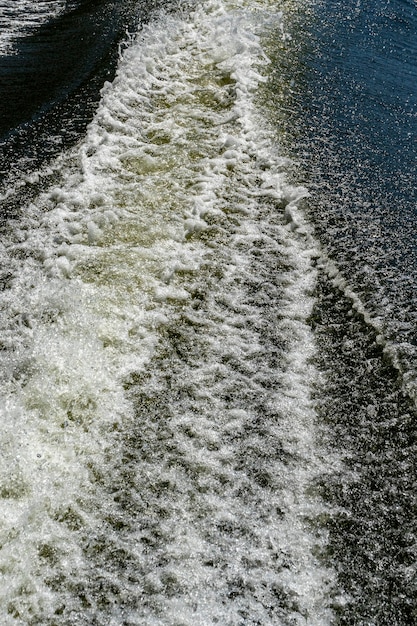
x,y
19,18
358,152
207,411
53,63
347,102
157,419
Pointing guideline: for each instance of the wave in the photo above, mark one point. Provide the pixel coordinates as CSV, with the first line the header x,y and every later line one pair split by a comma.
x,y
157,363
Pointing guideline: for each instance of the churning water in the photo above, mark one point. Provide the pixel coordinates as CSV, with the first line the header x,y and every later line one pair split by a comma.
x,y
204,418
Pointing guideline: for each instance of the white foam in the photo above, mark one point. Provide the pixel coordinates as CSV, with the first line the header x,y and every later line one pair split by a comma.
x,y
174,186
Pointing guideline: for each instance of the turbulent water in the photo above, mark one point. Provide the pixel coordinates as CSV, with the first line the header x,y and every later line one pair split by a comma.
x,y
204,418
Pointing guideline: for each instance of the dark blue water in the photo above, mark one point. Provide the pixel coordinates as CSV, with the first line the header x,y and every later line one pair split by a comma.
x,y
354,111
359,148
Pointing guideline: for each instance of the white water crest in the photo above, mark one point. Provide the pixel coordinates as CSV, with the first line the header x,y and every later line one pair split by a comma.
x,y
158,433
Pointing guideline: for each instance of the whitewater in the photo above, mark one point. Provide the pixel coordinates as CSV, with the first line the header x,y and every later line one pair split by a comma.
x,y
159,436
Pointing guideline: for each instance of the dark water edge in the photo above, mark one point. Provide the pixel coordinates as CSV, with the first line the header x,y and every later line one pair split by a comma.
x,y
348,95
352,136
367,417
358,151
50,88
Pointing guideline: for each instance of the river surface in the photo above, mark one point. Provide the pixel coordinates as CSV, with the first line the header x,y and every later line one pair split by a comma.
x,y
207,350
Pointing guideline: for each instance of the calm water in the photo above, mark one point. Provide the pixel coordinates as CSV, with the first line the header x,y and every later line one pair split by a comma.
x,y
207,313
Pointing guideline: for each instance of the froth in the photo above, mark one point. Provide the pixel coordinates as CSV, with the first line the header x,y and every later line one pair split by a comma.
x,y
156,312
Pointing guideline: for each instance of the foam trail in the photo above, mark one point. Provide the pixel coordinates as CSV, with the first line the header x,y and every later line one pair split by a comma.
x,y
157,414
